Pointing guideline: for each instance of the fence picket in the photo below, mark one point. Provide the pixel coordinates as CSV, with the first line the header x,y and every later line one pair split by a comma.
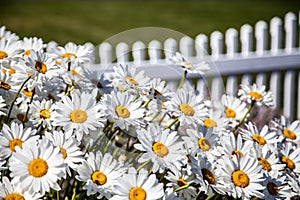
x,y
170,47
261,79
231,85
122,52
202,87
275,87
217,88
105,53
290,25
138,52
261,37
216,43
186,46
231,39
289,103
276,34
201,45
246,79
154,50
246,39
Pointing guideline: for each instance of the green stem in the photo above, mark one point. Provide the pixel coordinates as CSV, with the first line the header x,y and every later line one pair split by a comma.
x,y
57,195
74,190
182,188
182,79
243,119
146,103
15,98
27,111
211,196
143,165
172,123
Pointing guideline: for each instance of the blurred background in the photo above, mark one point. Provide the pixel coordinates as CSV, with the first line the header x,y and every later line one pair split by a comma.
x,y
94,21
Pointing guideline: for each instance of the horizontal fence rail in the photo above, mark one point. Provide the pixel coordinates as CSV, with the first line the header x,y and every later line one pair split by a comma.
x,y
268,53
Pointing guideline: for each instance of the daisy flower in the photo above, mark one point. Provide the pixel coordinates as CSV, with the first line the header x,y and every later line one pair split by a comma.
x,y
161,146
125,77
189,107
277,188
243,174
170,195
261,137
138,186
40,113
234,109
123,109
72,52
79,112
7,35
3,108
9,50
28,44
180,60
291,132
14,191
68,146
206,174
7,86
158,90
179,178
14,136
100,173
38,166
290,156
216,120
256,93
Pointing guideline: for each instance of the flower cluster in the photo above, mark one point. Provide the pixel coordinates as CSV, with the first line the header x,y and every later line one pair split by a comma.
x,y
70,133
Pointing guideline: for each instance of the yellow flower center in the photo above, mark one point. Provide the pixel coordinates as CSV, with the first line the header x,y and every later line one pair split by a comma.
x,y
288,162
272,188
186,109
38,168
131,80
122,112
203,144
255,95
4,85
137,193
182,182
14,196
99,178
27,52
40,67
265,164
208,176
160,149
230,113
3,55
260,140
240,179
11,71
237,153
64,151
78,116
74,72
15,142
27,92
210,123
289,134
45,114
69,55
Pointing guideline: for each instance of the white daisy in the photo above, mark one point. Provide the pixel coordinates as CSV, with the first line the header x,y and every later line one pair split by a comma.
x,y
290,131
123,109
10,191
100,173
216,120
234,109
7,35
261,137
189,107
28,44
14,136
79,112
161,146
243,174
9,50
180,60
170,195
290,156
37,166
3,108
40,112
138,186
158,90
256,93
68,146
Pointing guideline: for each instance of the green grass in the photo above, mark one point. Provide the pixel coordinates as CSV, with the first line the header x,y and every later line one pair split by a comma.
x,y
95,21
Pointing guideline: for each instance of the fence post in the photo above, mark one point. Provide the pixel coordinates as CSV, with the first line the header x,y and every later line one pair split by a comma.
x,y
105,53
246,39
276,34
289,92
216,43
138,52
186,46
122,52
154,50
201,45
261,37
170,47
290,26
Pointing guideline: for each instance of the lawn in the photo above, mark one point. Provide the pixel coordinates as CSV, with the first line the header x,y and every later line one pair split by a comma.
x,y
94,21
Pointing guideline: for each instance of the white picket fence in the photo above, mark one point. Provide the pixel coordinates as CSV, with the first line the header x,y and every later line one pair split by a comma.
x,y
267,54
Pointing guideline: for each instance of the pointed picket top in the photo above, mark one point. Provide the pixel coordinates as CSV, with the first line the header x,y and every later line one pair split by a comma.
x,y
290,26
231,39
261,31
138,52
154,50
201,44
216,43
276,34
170,47
105,53
246,39
186,46
122,52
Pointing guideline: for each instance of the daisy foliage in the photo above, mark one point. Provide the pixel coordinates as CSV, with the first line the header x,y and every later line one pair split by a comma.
x,y
69,132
